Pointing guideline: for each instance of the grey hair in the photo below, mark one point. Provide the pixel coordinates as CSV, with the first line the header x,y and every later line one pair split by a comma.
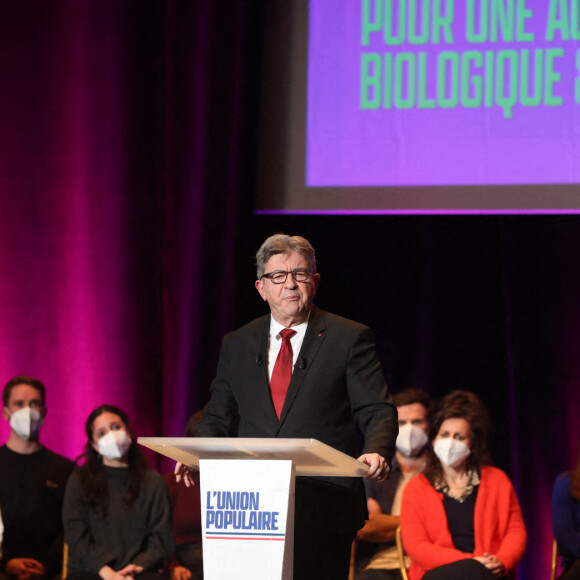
x,y
283,244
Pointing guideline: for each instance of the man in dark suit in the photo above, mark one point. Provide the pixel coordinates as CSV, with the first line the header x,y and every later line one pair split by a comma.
x,y
336,382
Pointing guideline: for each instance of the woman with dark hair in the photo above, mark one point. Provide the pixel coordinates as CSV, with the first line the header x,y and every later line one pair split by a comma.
x,y
566,521
460,518
117,515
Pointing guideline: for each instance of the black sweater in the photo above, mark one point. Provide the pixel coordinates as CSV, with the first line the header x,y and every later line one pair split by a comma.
x,y
31,494
140,533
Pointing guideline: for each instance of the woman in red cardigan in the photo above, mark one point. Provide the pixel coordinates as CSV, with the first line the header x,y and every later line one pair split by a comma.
x,y
460,519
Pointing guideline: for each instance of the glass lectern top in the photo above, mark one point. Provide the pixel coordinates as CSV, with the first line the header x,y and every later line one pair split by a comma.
x,y
310,457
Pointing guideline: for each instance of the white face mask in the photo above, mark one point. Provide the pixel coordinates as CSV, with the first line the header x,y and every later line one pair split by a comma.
x,y
450,451
26,422
411,440
114,444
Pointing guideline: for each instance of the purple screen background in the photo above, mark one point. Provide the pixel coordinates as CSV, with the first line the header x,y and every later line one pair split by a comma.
x,y
347,146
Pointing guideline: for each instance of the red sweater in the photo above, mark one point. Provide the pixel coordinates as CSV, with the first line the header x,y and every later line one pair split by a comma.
x,y
498,525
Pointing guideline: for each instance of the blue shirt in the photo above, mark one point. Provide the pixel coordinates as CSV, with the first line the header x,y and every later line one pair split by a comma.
x,y
566,519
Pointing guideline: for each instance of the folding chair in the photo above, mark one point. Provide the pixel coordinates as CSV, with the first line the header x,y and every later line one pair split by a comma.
x,y
401,554
555,556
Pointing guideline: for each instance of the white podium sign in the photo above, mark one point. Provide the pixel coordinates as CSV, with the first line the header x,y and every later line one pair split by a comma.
x,y
247,510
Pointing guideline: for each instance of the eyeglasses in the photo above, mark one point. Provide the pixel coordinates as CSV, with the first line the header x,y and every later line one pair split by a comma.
x,y
280,276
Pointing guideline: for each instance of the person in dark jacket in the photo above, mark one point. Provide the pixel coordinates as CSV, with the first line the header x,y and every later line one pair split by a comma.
x,y
117,514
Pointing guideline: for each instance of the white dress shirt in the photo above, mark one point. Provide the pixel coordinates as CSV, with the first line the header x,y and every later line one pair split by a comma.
x,y
275,343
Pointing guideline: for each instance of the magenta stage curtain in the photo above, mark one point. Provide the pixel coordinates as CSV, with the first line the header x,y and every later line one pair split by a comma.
x,y
121,130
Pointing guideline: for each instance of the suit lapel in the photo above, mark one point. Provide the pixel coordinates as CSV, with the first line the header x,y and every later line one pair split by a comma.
x,y
262,357
313,339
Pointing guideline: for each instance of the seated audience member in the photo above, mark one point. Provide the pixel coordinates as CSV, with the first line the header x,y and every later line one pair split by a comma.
x,y
117,515
377,557
460,518
186,503
566,520
32,484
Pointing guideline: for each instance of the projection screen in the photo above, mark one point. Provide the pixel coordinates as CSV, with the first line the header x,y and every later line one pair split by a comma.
x,y
421,106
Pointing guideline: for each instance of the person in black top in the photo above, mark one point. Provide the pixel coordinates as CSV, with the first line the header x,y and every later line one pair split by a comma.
x,y
32,483
116,513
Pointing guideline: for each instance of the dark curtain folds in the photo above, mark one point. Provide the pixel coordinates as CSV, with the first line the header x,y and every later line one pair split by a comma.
x,y
211,84
123,154
487,304
128,139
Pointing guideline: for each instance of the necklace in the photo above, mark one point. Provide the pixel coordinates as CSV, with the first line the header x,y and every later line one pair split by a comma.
x,y
459,492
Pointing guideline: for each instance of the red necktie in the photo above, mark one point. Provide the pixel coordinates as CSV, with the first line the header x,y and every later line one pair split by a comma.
x,y
282,372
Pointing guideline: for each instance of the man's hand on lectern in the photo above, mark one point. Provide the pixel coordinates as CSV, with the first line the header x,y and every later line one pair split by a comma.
x,y
183,472
378,467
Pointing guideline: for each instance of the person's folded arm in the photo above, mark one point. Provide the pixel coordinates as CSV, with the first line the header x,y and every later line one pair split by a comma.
x,y
379,528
